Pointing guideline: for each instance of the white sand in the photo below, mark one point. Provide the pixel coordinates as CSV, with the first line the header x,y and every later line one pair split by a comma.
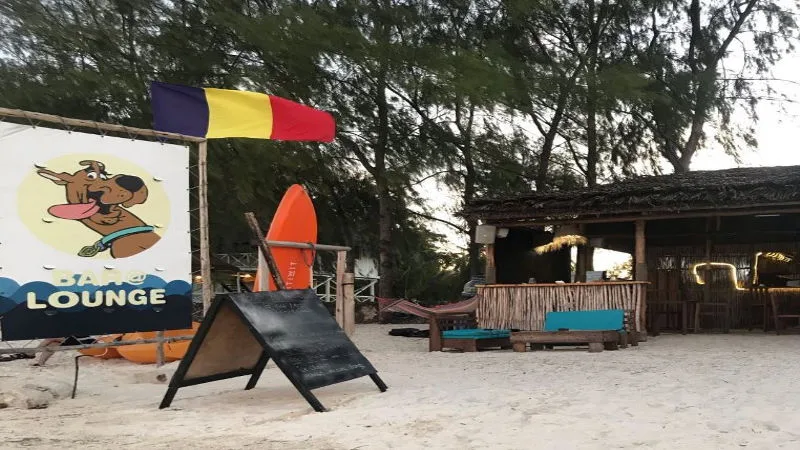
x,y
673,392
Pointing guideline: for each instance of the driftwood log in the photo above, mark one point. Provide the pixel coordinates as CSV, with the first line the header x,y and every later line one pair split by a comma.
x,y
524,306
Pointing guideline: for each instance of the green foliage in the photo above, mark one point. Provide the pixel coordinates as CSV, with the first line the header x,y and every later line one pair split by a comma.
x,y
489,98
682,48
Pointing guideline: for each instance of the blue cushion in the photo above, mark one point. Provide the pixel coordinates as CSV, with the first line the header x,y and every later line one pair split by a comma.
x,y
601,319
475,333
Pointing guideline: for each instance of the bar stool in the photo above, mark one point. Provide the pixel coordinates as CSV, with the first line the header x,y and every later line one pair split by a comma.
x,y
758,306
717,308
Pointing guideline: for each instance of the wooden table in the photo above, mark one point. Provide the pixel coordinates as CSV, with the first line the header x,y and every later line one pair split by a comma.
x,y
783,303
596,340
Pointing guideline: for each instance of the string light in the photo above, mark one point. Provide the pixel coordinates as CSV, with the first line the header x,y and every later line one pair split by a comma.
x,y
755,269
718,264
777,256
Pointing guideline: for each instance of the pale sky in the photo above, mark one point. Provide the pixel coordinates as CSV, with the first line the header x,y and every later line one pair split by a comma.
x,y
777,131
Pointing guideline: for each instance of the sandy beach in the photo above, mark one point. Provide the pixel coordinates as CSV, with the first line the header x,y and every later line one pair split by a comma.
x,y
706,391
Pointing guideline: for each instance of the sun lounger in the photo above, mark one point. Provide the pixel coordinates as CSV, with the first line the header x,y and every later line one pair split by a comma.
x,y
460,331
599,329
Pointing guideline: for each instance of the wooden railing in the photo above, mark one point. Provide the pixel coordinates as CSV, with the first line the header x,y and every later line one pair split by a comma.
x,y
524,306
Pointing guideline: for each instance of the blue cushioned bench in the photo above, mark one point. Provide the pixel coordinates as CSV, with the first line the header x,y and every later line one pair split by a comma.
x,y
595,320
599,329
477,333
460,331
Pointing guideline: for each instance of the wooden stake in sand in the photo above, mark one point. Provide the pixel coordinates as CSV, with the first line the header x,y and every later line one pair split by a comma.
x,y
255,228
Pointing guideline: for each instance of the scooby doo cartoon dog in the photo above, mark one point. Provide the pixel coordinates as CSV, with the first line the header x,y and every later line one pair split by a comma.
x,y
100,201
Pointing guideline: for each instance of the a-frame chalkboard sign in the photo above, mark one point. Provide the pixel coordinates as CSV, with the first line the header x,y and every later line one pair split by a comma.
x,y
241,332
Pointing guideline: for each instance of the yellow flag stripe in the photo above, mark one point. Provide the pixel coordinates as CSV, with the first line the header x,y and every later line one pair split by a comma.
x,y
238,114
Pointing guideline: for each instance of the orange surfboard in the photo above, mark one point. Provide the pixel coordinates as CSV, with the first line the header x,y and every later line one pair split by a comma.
x,y
295,221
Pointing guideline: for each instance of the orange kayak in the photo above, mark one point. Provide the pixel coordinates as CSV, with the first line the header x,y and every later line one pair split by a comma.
x,y
103,353
146,353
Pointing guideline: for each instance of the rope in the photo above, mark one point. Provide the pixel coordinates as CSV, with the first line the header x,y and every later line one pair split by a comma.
x,y
29,119
313,254
66,127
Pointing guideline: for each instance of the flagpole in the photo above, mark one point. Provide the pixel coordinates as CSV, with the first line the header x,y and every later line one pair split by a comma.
x,y
205,252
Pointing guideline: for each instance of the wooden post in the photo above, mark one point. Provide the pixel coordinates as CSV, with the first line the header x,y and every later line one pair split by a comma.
x,y
706,276
160,349
640,253
491,275
349,316
580,264
341,263
640,274
263,278
582,259
258,234
205,251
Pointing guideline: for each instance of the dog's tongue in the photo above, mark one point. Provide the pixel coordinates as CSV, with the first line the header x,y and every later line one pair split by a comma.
x,y
74,211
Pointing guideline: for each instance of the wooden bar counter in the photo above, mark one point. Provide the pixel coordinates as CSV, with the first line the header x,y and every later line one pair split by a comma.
x,y
523,306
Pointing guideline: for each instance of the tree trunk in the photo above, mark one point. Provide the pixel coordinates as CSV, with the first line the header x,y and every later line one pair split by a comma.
x,y
706,82
544,159
470,179
685,161
385,221
592,155
593,150
706,78
549,138
475,267
566,87
385,239
472,224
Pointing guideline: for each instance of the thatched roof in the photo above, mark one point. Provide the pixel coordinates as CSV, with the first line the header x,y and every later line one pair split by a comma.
x,y
717,190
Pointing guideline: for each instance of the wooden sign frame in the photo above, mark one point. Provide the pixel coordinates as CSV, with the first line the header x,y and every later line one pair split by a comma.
x,y
229,346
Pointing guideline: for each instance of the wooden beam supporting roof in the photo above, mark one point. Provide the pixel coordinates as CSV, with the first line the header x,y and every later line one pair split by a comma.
x,y
795,209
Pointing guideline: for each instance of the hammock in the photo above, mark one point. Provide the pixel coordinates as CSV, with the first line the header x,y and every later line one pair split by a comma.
x,y
405,306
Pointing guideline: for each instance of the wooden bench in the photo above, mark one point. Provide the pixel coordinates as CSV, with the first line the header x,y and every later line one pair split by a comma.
x,y
600,330
461,332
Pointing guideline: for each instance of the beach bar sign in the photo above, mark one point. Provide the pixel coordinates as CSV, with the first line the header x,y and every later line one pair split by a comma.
x,y
94,234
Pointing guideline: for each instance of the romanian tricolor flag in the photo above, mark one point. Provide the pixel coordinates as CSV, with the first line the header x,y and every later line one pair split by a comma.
x,y
222,113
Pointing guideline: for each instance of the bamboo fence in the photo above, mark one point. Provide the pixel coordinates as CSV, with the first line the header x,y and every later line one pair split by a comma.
x,y
524,306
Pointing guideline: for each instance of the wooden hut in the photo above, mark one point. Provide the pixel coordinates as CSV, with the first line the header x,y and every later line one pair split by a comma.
x,y
702,243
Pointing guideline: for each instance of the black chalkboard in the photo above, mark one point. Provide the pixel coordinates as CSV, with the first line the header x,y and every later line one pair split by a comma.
x,y
241,332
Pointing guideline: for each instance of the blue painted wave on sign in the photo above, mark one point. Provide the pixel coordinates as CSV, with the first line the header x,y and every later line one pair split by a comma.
x,y
12,294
